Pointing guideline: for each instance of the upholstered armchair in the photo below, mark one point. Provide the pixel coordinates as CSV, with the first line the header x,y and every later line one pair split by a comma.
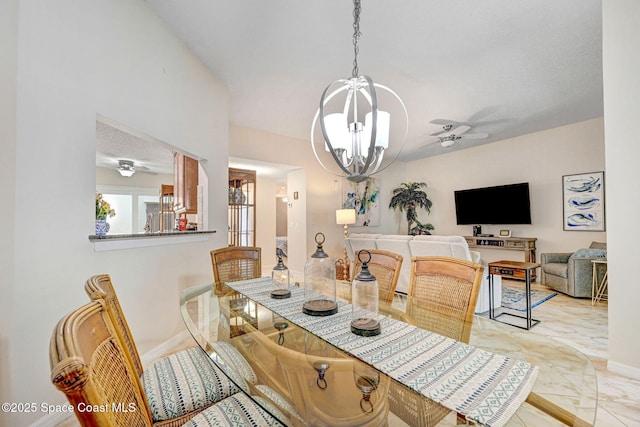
x,y
572,273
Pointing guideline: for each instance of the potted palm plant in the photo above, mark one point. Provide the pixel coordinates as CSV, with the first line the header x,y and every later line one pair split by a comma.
x,y
408,198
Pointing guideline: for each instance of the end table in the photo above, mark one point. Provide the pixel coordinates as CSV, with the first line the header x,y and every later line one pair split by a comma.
x,y
516,270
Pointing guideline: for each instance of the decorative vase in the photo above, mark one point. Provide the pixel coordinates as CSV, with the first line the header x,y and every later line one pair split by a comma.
x,y
102,227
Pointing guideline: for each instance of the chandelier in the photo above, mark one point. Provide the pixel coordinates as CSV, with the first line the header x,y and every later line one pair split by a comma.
x,y
357,136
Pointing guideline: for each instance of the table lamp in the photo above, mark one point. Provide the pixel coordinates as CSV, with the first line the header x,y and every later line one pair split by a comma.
x,y
345,217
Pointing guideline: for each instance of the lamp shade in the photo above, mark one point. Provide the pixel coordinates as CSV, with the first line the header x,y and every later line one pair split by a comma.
x,y
338,132
382,130
345,216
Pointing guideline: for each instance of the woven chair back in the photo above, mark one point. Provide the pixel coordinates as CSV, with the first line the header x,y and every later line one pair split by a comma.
x,y
385,266
100,287
445,292
235,263
90,367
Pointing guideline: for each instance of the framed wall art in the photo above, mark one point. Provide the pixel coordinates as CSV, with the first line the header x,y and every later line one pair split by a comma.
x,y
583,202
364,198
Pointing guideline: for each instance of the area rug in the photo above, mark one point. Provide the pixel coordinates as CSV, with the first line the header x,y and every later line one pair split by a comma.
x,y
514,298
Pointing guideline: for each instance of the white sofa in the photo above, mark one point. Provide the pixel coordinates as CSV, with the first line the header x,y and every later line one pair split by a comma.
x,y
425,245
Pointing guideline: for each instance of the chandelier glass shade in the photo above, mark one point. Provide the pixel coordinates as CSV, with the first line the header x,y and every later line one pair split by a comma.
x,y
355,132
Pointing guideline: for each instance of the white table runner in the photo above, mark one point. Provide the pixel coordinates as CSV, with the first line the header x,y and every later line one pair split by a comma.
x,y
483,386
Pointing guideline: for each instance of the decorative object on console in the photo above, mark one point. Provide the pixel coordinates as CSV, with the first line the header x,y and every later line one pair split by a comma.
x,y
505,233
281,279
583,202
320,283
358,149
363,197
364,300
345,217
408,197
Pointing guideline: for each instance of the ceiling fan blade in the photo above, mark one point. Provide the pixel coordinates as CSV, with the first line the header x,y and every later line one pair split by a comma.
x,y
443,122
441,134
460,129
475,136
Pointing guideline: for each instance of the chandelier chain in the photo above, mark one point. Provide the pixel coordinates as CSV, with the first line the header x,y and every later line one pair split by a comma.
x,y
356,36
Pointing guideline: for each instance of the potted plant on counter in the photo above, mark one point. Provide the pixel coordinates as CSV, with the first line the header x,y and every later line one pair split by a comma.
x,y
103,211
408,198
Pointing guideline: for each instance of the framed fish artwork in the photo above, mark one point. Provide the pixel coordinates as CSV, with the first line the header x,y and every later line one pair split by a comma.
x,y
583,202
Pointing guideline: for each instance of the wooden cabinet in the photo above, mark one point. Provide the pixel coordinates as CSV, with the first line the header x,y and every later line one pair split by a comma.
x,y
185,184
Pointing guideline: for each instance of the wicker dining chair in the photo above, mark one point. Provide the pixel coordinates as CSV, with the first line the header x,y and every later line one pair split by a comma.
x,y
385,266
234,263
177,386
445,291
90,366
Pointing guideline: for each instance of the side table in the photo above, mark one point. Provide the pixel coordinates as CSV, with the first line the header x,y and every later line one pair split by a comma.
x,y
598,289
516,270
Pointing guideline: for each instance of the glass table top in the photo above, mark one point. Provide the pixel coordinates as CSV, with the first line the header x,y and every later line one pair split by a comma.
x,y
302,380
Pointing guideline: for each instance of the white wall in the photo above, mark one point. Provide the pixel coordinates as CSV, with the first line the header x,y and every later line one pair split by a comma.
x,y
77,60
621,42
8,105
541,159
266,221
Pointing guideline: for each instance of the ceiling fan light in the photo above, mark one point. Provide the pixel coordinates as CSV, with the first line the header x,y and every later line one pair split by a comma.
x,y
447,142
126,172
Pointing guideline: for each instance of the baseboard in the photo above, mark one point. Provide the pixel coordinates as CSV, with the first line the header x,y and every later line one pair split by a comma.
x,y
624,370
53,419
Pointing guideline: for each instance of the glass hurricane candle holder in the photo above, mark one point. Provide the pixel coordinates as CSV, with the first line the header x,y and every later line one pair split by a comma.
x,y
364,301
281,280
320,283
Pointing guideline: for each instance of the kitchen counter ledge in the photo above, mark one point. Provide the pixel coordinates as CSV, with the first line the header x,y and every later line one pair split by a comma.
x,y
112,242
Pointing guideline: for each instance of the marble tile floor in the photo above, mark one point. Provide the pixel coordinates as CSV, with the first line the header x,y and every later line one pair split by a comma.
x,y
583,326
577,323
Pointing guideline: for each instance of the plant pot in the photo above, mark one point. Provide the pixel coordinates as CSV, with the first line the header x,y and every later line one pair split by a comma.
x,y
102,227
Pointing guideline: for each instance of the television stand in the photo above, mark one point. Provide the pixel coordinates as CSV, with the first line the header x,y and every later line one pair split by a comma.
x,y
522,244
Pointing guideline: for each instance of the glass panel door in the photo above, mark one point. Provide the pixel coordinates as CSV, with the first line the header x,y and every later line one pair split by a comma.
x,y
242,207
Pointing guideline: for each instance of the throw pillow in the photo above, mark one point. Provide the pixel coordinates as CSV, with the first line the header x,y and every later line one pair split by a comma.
x,y
589,253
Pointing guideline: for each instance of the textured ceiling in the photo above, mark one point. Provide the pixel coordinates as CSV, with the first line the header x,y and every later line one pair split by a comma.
x,y
507,68
114,143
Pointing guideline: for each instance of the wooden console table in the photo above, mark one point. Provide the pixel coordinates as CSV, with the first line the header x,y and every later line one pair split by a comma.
x,y
523,244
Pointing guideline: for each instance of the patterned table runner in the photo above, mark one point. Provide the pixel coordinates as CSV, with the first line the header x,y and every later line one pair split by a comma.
x,y
483,386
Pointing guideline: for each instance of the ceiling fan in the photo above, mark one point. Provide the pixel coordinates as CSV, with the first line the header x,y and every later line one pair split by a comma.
x,y
451,135
127,168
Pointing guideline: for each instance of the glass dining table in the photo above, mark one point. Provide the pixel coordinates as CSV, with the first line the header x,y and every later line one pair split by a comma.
x,y
302,380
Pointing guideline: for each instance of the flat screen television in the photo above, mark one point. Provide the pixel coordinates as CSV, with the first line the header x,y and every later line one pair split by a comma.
x,y
503,204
